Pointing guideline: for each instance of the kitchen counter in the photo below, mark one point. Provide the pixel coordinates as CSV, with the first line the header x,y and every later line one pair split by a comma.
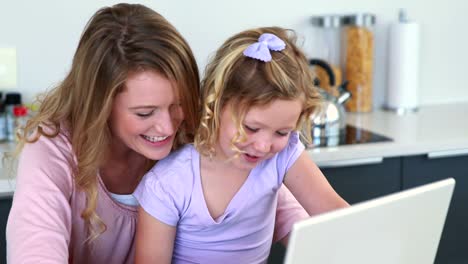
x,y
435,130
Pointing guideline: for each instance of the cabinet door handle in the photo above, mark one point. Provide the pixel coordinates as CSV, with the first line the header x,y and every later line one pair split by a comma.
x,y
350,162
447,153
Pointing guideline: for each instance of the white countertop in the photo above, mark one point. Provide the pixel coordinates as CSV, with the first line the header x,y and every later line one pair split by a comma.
x,y
434,129
7,187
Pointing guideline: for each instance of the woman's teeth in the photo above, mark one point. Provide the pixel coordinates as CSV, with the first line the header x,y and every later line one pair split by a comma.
x,y
155,139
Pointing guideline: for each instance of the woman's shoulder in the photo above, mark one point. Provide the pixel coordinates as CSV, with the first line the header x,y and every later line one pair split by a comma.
x,y
51,142
49,159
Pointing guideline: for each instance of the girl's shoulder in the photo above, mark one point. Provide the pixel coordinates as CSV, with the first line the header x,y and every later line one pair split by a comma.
x,y
294,145
284,159
168,186
177,159
178,166
294,138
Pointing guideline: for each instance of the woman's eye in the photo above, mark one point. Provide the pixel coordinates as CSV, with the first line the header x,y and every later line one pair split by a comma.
x,y
250,129
144,114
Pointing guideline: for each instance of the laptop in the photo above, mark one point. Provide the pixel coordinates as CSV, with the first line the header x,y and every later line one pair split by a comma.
x,y
400,228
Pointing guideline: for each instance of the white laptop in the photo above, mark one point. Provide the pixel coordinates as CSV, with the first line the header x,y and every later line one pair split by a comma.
x,y
401,228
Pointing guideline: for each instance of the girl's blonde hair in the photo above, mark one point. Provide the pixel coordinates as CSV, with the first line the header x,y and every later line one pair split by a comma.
x,y
116,42
243,82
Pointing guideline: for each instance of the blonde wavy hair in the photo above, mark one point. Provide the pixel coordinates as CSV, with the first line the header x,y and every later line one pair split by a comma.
x,y
243,82
116,42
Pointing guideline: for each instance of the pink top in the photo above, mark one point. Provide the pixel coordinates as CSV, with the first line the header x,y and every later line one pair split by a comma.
x,y
45,222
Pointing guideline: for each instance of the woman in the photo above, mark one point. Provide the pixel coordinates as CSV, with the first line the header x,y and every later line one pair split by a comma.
x,y
130,98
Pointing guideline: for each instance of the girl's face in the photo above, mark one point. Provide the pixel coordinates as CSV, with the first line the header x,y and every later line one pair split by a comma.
x,y
146,115
267,129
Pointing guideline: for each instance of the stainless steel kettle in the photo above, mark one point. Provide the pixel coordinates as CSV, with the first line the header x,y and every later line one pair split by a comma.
x,y
329,119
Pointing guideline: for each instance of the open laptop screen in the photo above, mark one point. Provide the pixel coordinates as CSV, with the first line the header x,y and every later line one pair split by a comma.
x,y
403,228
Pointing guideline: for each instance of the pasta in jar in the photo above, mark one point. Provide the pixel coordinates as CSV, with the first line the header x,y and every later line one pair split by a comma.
x,y
359,61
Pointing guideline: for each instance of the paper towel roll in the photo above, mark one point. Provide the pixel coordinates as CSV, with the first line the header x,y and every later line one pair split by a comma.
x,y
403,67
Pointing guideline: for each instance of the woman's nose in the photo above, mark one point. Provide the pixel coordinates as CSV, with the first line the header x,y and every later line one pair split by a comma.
x,y
166,124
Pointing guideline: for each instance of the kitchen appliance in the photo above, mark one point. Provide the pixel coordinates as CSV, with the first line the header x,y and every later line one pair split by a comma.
x,y
351,135
329,119
328,122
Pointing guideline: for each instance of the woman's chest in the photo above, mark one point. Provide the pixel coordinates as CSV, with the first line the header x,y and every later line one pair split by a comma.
x,y
115,244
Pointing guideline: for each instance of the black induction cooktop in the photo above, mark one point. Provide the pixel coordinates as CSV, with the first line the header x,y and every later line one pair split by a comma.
x,y
349,136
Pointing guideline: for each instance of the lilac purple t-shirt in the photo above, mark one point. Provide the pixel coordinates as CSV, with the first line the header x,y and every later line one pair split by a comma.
x,y
172,193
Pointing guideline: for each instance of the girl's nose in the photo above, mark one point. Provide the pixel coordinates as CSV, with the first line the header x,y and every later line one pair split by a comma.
x,y
262,144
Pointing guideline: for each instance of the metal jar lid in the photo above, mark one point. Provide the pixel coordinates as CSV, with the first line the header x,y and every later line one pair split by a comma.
x,y
326,21
361,19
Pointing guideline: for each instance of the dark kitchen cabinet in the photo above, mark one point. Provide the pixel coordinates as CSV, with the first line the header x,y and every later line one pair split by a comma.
x,y
5,206
357,183
422,169
277,254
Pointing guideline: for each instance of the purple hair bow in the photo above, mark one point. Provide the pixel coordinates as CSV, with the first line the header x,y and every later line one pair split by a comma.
x,y
261,50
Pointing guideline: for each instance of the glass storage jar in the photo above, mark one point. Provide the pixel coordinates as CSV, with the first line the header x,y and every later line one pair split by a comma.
x,y
358,60
327,42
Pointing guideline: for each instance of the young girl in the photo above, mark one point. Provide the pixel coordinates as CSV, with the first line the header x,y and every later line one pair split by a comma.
x,y
215,201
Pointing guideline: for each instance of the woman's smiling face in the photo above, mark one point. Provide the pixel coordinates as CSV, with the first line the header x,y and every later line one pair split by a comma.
x,y
147,114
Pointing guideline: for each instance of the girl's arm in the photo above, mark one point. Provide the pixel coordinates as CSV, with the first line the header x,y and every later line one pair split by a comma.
x,y
310,187
154,239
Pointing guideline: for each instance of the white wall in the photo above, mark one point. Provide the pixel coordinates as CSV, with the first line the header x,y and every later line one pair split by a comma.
x,y
46,33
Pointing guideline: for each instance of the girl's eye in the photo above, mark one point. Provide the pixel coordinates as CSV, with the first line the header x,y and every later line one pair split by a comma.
x,y
282,134
250,129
